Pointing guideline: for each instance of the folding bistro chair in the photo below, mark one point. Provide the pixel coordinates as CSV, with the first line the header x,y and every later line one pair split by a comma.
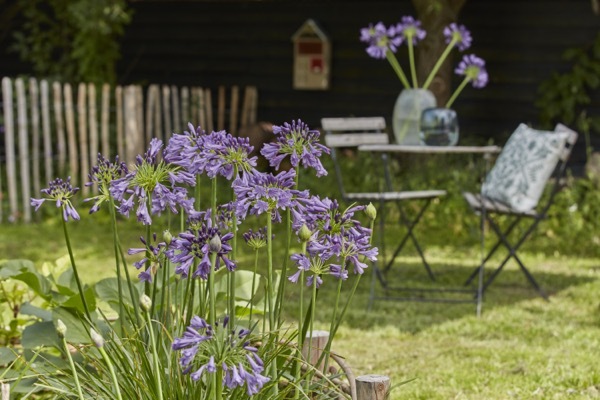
x,y
513,188
353,132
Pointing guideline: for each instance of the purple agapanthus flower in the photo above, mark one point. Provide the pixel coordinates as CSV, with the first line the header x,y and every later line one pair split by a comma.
x,y
339,236
473,68
299,142
60,192
199,244
153,258
152,181
460,34
208,349
258,193
409,29
256,239
103,174
218,153
380,40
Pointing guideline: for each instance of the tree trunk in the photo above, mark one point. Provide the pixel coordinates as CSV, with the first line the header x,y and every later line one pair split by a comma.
x,y
434,16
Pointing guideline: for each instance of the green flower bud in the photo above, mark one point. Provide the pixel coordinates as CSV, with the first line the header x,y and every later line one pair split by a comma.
x,y
304,234
214,244
97,338
145,303
61,328
167,237
371,211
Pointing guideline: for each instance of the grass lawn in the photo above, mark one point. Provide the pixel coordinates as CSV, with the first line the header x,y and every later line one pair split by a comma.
x,y
521,347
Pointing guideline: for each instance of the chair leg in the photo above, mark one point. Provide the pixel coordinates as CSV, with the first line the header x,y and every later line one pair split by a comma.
x,y
410,224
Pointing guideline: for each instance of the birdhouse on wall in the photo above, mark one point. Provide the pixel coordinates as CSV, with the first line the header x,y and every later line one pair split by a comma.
x,y
312,57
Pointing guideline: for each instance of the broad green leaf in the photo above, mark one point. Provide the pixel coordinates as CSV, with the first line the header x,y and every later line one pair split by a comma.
x,y
75,301
77,331
36,282
243,284
108,290
10,268
40,334
29,309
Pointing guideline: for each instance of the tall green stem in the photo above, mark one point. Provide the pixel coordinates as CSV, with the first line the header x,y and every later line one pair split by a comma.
x,y
411,58
300,330
439,62
270,272
75,272
118,265
253,288
157,371
231,275
112,372
72,365
397,68
213,258
457,91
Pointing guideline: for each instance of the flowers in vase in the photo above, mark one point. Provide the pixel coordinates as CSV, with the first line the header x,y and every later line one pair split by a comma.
x,y
383,42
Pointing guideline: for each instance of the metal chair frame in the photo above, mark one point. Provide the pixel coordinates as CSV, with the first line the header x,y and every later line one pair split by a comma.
x,y
490,209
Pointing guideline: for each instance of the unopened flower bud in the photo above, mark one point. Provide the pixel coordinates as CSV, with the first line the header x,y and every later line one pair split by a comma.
x,y
214,244
304,234
61,328
167,237
96,338
371,211
145,303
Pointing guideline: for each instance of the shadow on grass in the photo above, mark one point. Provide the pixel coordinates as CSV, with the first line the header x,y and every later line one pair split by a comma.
x,y
510,287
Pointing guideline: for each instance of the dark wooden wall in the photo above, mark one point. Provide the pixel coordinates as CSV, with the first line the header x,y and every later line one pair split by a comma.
x,y
230,42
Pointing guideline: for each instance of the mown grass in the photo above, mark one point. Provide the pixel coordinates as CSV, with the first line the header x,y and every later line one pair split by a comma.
x,y
521,347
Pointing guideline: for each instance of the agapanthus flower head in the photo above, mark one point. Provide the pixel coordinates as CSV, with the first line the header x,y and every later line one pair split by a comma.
x,y
103,174
380,40
300,143
183,150
199,244
256,239
313,267
154,256
409,29
152,180
223,153
205,349
60,192
258,193
460,34
473,68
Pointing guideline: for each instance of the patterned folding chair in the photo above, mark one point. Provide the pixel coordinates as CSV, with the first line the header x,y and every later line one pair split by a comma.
x,y
353,132
514,187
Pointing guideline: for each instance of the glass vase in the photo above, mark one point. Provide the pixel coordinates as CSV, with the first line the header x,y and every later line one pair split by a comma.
x,y
439,127
407,114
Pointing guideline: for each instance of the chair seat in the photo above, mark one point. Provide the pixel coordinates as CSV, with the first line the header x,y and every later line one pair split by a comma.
x,y
477,202
393,196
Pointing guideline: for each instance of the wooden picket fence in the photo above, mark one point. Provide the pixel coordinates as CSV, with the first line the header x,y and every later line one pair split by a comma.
x,y
54,129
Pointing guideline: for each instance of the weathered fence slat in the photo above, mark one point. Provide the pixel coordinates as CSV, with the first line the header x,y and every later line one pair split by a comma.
x,y
372,387
221,108
119,117
176,112
70,123
105,118
48,167
185,108
34,98
60,127
208,108
9,133
139,117
150,111
168,125
93,127
201,107
233,111
23,149
83,136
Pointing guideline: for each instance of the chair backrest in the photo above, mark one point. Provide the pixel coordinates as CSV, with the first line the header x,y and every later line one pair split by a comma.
x,y
561,167
349,133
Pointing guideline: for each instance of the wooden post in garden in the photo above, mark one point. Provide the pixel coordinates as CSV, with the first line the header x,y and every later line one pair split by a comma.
x,y
48,168
317,345
105,117
34,96
70,122
23,149
185,108
176,112
166,96
9,148
221,108
119,117
5,391
139,119
372,387
233,111
83,137
209,114
93,127
61,143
